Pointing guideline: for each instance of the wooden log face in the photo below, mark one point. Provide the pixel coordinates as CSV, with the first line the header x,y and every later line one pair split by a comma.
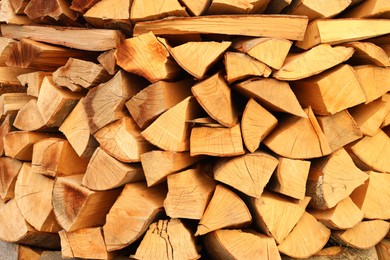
x,y
9,169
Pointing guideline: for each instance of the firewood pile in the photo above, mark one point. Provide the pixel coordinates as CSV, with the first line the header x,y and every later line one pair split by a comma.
x,y
213,129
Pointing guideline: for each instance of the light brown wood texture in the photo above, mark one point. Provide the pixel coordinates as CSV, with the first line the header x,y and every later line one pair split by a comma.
x,y
16,251
157,165
189,192
19,5
33,194
135,209
9,170
276,6
218,213
167,239
286,27
82,6
77,207
107,60
370,9
368,53
196,8
33,81
275,215
146,11
29,118
373,87
5,128
383,249
345,253
9,79
248,173
386,99
52,255
307,238
240,7
11,103
5,48
290,178
157,98
315,9
238,244
8,15
364,235
216,141
19,144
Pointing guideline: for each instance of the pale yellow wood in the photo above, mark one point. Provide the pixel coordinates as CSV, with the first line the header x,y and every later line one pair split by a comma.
x,y
9,82
317,9
368,53
383,249
5,48
342,252
370,9
107,60
33,81
237,7
147,11
196,7
8,15
5,128
373,87
386,99
29,118
11,103
9,169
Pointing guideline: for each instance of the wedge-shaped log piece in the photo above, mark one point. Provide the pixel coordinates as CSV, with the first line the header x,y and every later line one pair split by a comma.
x,y
336,31
368,53
33,81
105,172
33,194
147,11
238,244
16,229
386,98
171,131
55,103
383,249
276,6
342,216
157,165
331,91
196,8
167,239
256,124
307,238
317,9
275,215
285,27
364,235
19,5
16,251
5,128
383,42
104,104
373,87
5,49
76,130
8,14
248,173
9,80
93,39
216,141
144,55
11,103
55,157
136,208
237,7
107,60
290,178
85,243
77,207
225,210
370,9
240,66
371,153
29,117
157,98
333,179
215,96
270,51
313,61
82,6
9,170
19,145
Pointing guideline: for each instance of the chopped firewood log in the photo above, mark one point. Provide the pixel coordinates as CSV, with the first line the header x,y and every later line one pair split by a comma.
x,y
373,87
29,117
53,255
19,144
248,173
290,178
16,229
218,213
9,82
256,124
332,179
111,172
196,8
8,14
331,91
33,81
215,96
307,238
16,251
167,239
386,99
33,193
155,99
189,192
146,56
147,11
372,195
368,53
11,103
339,129
135,209
238,244
364,235
340,252
270,51
5,128
5,48
77,75
285,27
93,39
216,141
371,153
82,6
84,243
107,60
316,9
157,165
19,5
370,9
237,7
276,6
383,42
343,216
77,207
76,130
9,171
275,215
383,249
310,141
171,131
323,31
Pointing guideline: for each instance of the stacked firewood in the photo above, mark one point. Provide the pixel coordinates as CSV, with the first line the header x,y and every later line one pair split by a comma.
x,y
214,129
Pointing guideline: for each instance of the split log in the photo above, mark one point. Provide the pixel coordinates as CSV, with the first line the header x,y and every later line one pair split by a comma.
x,y
5,128
368,53
238,244
52,255
196,8
242,7
29,117
81,6
373,87
8,14
383,42
11,103
19,5
345,253
386,99
14,251
333,179
275,215
276,6
370,9
33,81
5,49
218,213
9,82
167,239
107,60
248,173
135,209
9,170
77,207
383,249
317,10
146,11
19,145
290,178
